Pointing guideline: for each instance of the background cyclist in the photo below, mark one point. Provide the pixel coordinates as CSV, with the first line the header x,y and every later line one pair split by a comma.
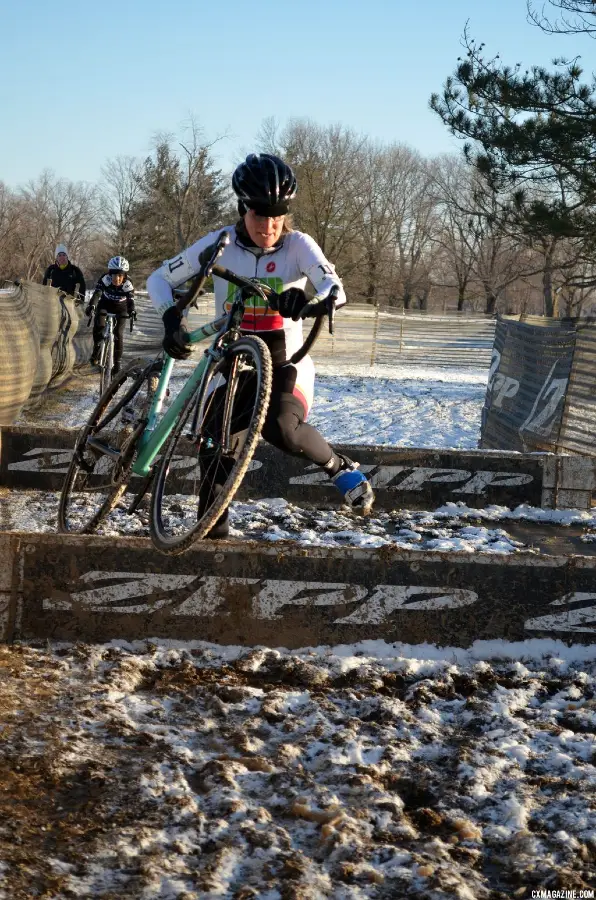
x,y
264,245
114,293
64,275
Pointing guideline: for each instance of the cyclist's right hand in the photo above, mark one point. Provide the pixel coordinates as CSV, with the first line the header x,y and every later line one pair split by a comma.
x,y
176,341
90,310
206,254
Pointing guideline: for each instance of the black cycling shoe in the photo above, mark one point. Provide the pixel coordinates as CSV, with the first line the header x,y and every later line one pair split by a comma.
x,y
220,530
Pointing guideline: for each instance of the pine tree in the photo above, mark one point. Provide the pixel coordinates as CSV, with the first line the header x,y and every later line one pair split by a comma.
x,y
531,133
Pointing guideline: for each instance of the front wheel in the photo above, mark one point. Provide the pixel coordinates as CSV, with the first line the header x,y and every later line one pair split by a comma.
x,y
107,363
211,446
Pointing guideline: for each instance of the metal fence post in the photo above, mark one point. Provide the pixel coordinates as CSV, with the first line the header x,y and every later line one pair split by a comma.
x,y
373,351
401,329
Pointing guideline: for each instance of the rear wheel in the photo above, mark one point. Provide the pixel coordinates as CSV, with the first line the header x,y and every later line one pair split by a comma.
x,y
104,451
211,446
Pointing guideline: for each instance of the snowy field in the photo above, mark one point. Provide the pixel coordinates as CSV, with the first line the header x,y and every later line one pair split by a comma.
x,y
404,406
186,770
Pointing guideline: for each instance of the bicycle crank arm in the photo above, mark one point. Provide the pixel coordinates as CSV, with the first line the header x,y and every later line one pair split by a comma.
x,y
105,450
138,497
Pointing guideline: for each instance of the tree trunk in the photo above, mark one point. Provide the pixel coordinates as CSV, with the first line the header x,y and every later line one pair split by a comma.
x,y
491,300
547,289
423,298
407,299
371,290
461,298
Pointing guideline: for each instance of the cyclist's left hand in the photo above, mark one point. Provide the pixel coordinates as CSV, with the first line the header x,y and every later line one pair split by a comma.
x,y
90,311
290,303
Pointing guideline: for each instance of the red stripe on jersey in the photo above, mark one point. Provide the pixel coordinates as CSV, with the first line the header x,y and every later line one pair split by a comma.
x,y
262,323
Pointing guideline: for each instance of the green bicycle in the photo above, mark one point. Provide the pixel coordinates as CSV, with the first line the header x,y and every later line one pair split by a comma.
x,y
212,426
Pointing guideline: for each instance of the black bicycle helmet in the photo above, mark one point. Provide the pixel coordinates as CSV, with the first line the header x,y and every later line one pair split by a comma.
x,y
265,183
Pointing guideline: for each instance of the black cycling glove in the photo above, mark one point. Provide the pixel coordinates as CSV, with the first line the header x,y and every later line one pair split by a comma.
x,y
175,342
206,254
290,303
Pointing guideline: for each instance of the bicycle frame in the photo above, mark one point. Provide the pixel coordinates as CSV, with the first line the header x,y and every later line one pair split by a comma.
x,y
108,332
155,434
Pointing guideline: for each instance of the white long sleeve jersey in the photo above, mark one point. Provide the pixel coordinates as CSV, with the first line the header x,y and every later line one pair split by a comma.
x,y
296,260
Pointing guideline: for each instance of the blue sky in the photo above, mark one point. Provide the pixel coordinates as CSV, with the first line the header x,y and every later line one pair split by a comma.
x,y
84,81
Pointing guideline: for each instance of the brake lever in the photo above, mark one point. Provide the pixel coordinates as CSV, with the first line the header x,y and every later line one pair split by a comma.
x,y
331,304
220,245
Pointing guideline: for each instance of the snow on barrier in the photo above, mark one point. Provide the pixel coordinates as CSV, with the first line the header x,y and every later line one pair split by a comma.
x,y
99,588
37,458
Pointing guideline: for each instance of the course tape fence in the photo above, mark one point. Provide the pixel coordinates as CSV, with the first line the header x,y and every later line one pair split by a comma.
x,y
38,339
541,392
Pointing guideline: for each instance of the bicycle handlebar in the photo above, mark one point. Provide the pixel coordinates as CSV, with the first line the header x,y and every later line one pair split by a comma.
x,y
202,275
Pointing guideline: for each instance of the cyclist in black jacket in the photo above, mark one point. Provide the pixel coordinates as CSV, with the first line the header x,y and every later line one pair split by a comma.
x,y
114,293
64,275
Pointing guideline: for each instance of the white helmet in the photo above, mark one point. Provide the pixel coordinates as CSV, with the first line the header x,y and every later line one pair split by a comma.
x,y
61,248
118,264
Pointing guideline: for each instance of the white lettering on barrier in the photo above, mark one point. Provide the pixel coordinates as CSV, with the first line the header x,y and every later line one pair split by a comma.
x,y
542,416
267,597
420,476
495,361
389,597
110,597
482,480
40,461
56,460
580,618
503,387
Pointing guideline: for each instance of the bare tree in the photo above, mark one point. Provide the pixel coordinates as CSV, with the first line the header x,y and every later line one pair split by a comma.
x,y
121,188
55,210
572,16
328,163
414,218
381,169
456,235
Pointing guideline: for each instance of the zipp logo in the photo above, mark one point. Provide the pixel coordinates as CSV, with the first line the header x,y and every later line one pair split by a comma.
x,y
122,592
55,459
545,410
501,387
43,459
51,459
393,478
388,477
575,612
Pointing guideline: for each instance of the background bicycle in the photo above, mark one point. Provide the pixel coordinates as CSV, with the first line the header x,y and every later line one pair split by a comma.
x,y
105,359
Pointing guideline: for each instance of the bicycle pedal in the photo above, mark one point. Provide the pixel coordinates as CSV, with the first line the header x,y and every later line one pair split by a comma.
x,y
128,416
